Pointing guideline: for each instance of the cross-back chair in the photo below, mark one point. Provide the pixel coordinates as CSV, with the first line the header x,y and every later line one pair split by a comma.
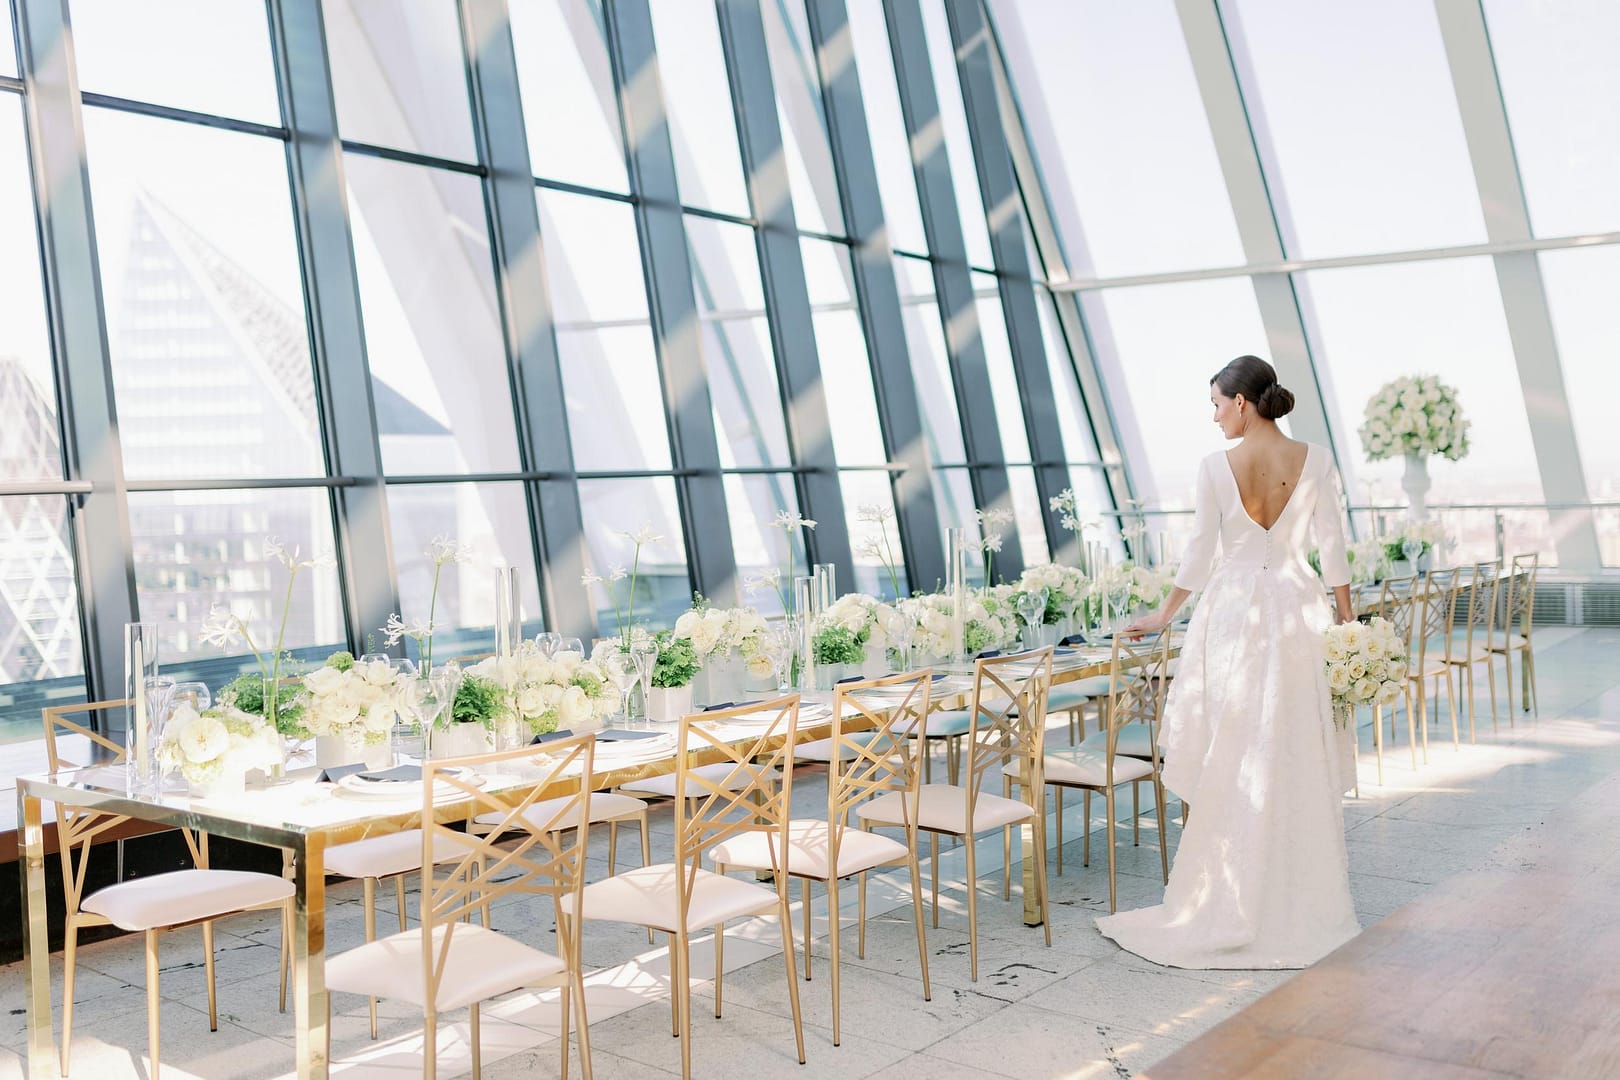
x,y
867,764
1434,619
1477,608
1518,613
449,962
1008,712
731,793
1400,603
146,905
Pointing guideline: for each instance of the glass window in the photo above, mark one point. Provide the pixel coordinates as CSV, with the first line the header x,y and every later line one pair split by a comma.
x,y
40,659
1158,345
1377,323
1356,105
886,126
702,127
1126,156
737,351
1004,390
565,76
874,534
803,120
613,511
30,442
953,497
205,312
753,502
399,76
1581,286
210,56
930,365
953,122
1029,514
8,55
492,522
1079,443
1555,62
611,384
195,549
433,337
846,371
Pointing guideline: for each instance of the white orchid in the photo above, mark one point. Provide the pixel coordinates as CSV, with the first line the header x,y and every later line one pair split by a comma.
x,y
642,536
442,550
397,628
222,628
874,513
275,549
788,520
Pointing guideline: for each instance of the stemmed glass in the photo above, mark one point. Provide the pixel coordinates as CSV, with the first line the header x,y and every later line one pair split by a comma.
x,y
645,654
569,645
902,632
435,702
1412,548
622,673
779,646
547,643
1031,607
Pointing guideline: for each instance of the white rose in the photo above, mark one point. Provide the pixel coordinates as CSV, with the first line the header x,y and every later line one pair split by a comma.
x,y
1388,694
759,665
573,707
1364,690
531,700
204,739
1338,679
684,624
379,718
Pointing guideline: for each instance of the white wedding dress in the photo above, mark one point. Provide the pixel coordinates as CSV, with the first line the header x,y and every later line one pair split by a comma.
x,y
1260,878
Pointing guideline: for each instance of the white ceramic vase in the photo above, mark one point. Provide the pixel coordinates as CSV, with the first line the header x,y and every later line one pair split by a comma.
x,y
1415,482
667,704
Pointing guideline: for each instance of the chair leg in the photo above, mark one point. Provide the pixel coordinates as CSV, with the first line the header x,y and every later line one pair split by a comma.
x,y
792,975
933,859
1467,673
674,987
369,899
1507,672
720,964
917,917
1006,845
804,893
1108,797
476,1041
1136,810
832,947
208,975
1451,700
580,1021
70,953
399,902
1042,900
1164,852
1527,663
646,858
1490,677
973,907
152,999
1085,845
430,1039
562,1037
1059,793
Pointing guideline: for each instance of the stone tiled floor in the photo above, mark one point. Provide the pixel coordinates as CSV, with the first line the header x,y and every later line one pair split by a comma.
x,y
1080,1009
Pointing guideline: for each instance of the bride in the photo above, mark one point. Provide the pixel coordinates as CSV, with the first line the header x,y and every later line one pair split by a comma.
x,y
1260,878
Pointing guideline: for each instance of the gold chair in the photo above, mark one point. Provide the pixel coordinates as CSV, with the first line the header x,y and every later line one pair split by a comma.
x,y
1136,700
735,796
864,765
449,962
147,904
1520,605
1008,727
1400,602
1435,613
1479,630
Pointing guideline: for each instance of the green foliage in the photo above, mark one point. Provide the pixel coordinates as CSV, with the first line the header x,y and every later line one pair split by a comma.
x,y
246,692
1395,552
838,645
676,664
477,702
342,660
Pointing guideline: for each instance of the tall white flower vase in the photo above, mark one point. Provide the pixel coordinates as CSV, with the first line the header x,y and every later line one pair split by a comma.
x,y
1415,482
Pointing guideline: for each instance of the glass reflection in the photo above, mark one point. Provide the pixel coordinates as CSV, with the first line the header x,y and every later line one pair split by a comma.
x,y
930,364
41,662
761,548
886,127
953,124
30,437
615,509
562,60
702,127
841,344
803,121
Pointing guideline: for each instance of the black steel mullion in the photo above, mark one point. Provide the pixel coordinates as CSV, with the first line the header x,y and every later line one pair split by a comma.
x,y
332,295
998,190
953,279
672,302
88,415
882,321
787,296
556,524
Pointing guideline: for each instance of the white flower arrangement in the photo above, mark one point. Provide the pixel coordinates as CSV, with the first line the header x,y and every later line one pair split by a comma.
x,y
1429,534
723,633
1414,415
1141,586
987,624
204,746
867,617
358,703
1366,665
1066,589
545,694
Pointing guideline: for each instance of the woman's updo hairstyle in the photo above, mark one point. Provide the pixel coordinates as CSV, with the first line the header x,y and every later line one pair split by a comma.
x,y
1257,381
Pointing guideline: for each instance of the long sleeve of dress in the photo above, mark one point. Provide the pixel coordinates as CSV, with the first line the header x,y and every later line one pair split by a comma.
x,y
1198,561
1328,525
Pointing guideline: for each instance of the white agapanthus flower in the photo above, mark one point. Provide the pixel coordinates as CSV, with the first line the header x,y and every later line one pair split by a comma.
x,y
788,520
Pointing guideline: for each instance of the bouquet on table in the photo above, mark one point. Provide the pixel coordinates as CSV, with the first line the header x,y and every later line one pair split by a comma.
x,y
982,628
1066,589
1414,415
543,694
357,701
217,744
1366,665
1412,541
854,623
719,636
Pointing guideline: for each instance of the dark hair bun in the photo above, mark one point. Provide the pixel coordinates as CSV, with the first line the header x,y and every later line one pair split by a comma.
x,y
1275,402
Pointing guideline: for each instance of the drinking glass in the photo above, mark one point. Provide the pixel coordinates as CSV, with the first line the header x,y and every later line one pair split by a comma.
x,y
780,644
622,673
645,655
1412,548
140,665
1032,609
902,632
547,643
436,702
570,645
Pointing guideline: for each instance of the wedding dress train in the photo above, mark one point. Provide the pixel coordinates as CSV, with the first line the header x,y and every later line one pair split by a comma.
x,y
1260,878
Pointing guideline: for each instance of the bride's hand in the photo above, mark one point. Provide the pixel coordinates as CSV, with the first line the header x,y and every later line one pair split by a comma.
x,y
1147,624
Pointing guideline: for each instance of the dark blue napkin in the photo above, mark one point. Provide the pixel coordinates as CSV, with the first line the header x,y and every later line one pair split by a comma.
x,y
624,734
728,705
989,653
549,736
851,678
338,772
1074,639
399,774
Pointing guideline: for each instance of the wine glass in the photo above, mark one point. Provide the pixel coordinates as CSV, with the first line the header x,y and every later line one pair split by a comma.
x,y
779,648
620,669
1412,548
1031,607
547,643
902,632
569,645
644,652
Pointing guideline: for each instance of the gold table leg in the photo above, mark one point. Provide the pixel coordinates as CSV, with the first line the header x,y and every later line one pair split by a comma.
x,y
311,1010
36,940
1032,900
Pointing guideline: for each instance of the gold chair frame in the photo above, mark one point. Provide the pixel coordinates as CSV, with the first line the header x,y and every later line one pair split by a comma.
x,y
1434,621
1479,630
1399,604
1520,605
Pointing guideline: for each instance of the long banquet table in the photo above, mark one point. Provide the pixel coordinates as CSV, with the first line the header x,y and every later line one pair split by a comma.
x,y
306,818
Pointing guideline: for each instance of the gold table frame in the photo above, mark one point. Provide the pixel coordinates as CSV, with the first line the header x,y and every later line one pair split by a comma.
x,y
308,843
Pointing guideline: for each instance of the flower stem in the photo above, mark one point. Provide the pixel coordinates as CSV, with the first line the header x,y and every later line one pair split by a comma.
x,y
426,644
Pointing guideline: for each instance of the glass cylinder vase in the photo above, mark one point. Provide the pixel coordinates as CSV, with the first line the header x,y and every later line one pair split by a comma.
x,y
140,666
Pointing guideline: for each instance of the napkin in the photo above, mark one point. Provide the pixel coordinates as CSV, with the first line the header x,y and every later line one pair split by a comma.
x,y
624,734
338,772
989,653
399,774
550,735
1074,639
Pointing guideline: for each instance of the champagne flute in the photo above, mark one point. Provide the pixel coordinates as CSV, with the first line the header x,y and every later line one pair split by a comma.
x,y
621,672
645,655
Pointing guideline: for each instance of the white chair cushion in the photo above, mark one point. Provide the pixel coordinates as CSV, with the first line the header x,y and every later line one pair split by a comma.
x,y
1086,767
665,784
543,815
646,897
943,807
183,896
1133,742
481,964
821,749
384,856
807,850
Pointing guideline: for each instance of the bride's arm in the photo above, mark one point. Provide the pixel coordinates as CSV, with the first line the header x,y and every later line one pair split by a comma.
x,y
1328,525
1197,562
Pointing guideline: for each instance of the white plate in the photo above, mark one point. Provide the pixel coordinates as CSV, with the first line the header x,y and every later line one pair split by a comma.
x,y
357,786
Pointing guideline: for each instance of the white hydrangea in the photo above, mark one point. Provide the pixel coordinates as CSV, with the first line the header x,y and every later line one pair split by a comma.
x,y
566,690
